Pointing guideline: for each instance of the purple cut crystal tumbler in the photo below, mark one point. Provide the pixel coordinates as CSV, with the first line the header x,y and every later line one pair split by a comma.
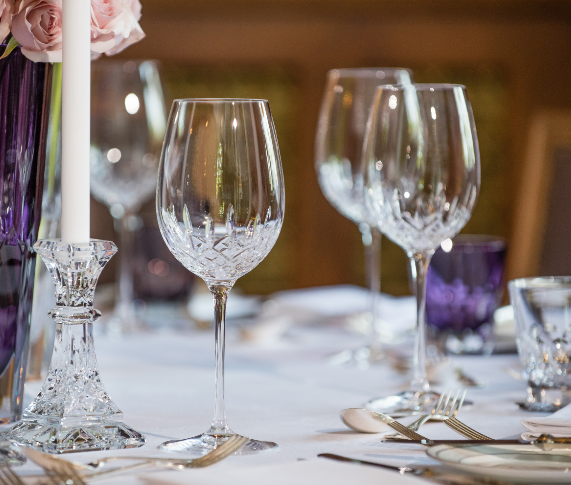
x,y
24,109
464,287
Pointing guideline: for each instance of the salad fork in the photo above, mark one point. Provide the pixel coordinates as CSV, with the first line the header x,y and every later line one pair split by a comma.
x,y
445,407
8,477
446,410
60,471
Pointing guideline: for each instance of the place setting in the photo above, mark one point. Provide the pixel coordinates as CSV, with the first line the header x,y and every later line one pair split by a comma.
x,y
327,384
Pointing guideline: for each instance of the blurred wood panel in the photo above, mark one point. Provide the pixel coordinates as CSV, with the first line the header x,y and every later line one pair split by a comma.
x,y
541,227
527,40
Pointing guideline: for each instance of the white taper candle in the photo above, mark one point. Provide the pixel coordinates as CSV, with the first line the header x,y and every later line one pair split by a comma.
x,y
76,105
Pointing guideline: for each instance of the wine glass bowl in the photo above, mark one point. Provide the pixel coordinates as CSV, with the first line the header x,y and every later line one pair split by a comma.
x,y
341,129
421,176
224,233
220,207
127,131
425,180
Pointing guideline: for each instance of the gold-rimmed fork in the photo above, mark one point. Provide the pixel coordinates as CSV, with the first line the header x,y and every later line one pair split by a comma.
x,y
8,477
447,405
229,447
60,471
446,410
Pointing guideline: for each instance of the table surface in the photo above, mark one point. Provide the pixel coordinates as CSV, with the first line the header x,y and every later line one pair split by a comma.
x,y
280,390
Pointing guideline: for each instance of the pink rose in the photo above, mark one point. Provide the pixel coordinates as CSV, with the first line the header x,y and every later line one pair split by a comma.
x,y
114,25
136,9
36,25
6,12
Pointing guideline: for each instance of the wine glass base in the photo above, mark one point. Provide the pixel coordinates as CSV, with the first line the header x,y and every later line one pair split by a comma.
x,y
205,443
406,403
362,357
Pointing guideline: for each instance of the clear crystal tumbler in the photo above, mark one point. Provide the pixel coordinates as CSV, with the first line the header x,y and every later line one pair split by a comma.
x,y
542,308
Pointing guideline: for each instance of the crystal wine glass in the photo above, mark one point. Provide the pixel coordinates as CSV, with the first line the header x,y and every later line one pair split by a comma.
x,y
127,130
220,206
338,151
421,168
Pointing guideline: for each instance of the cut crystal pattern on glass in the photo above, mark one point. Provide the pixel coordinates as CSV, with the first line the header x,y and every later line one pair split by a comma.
x,y
73,412
216,251
542,309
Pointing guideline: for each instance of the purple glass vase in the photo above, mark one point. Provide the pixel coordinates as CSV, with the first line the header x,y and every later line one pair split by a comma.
x,y
25,89
464,287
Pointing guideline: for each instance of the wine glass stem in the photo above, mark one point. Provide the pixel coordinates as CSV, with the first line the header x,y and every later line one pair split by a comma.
x,y
124,270
219,294
371,237
419,266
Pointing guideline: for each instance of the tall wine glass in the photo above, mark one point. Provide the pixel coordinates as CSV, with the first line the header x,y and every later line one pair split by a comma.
x,y
421,169
220,206
127,130
338,151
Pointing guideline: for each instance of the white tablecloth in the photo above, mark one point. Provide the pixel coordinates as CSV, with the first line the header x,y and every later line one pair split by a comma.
x,y
282,391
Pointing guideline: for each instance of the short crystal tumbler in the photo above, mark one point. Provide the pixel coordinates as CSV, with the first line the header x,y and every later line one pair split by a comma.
x,y
542,308
463,289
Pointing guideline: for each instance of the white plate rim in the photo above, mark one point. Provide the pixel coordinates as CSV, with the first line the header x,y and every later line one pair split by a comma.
x,y
526,475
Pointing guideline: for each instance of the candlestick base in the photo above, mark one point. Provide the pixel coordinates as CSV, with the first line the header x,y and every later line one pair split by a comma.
x,y
73,412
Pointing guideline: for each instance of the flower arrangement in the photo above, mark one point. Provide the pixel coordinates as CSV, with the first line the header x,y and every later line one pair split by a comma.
x,y
36,25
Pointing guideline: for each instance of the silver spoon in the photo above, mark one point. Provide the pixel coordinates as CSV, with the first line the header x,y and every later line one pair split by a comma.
x,y
365,421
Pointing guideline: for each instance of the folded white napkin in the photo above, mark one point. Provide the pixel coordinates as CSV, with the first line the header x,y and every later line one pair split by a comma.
x,y
558,424
309,472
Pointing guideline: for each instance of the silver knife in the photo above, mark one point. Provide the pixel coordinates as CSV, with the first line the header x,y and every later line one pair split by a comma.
x,y
428,442
401,469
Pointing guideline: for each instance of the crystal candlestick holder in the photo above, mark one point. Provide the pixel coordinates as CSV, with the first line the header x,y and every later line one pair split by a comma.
x,y
73,411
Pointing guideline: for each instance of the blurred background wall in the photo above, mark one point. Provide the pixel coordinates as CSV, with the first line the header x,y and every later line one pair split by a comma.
x,y
514,56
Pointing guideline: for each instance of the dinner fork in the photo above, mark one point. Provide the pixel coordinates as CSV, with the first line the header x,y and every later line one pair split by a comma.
x,y
8,477
445,407
446,411
230,446
60,471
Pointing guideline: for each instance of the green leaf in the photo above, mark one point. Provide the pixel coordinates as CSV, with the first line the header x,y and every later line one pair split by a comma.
x,y
12,44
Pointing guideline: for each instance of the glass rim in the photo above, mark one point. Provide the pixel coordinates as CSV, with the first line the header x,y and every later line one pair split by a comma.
x,y
218,100
421,86
541,282
479,241
365,70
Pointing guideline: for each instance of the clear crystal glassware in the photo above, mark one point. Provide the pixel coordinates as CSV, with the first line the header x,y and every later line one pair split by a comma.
x,y
128,121
73,411
421,173
542,308
220,206
338,151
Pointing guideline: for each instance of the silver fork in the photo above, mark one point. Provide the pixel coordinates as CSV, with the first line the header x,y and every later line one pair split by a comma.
x,y
8,477
57,470
447,413
442,410
61,471
230,446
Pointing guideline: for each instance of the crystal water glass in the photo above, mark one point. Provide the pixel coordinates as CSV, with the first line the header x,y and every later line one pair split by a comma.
x,y
464,287
220,206
128,121
338,150
542,308
421,169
